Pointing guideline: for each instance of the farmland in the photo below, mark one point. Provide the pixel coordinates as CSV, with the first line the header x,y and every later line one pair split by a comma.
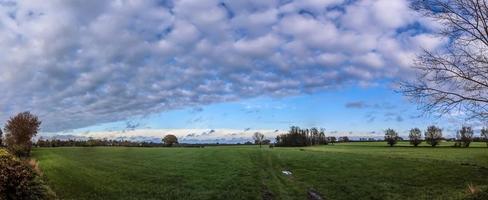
x,y
360,170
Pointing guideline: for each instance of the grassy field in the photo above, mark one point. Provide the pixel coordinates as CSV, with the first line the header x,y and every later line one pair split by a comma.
x,y
341,171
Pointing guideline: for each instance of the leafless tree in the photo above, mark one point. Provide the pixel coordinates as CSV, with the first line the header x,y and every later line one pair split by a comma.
x,y
415,136
258,138
454,78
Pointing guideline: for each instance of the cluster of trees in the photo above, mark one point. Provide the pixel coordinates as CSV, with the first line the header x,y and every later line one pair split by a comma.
x,y
297,137
433,136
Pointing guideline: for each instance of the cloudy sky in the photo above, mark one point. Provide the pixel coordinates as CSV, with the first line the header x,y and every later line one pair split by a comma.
x,y
128,68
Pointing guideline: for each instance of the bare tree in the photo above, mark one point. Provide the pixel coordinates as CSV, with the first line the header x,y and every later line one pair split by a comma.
x,y
455,77
1,137
484,135
465,136
391,137
415,136
258,138
433,135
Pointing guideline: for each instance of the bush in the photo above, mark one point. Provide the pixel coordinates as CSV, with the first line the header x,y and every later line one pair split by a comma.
x,y
433,136
391,137
415,136
19,181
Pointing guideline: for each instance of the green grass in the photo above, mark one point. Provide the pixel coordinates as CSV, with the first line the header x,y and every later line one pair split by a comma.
x,y
341,171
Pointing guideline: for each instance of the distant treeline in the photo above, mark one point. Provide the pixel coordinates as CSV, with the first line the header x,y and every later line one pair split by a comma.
x,y
93,142
118,143
297,137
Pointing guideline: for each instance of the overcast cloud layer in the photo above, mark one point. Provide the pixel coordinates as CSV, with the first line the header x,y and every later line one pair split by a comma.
x,y
79,63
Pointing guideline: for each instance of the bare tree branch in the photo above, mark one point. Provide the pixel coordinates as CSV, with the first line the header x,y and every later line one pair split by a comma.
x,y
455,78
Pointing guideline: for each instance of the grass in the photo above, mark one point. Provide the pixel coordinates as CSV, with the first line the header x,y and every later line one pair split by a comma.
x,y
341,171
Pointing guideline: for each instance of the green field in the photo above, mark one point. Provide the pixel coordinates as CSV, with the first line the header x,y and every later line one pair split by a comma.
x,y
341,171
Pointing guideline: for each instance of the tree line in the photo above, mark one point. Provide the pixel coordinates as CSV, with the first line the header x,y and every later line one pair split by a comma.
x,y
433,136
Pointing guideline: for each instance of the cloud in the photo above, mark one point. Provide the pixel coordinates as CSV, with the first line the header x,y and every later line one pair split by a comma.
x,y
357,104
79,64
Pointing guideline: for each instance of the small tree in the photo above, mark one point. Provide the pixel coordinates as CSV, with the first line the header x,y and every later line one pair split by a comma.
x,y
465,136
415,136
258,138
433,136
19,132
484,135
391,136
170,140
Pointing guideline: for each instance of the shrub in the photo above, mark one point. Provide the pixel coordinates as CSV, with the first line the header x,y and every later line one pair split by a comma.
x,y
415,136
19,132
465,136
19,181
391,137
433,136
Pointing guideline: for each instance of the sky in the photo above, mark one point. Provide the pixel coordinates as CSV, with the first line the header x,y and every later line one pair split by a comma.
x,y
212,70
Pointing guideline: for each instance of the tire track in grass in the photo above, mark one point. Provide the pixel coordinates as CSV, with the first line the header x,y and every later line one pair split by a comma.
x,y
273,181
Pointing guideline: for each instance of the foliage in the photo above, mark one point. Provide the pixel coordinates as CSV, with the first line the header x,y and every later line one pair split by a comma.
x,y
465,136
19,181
1,138
415,136
433,136
258,138
391,136
170,140
19,131
297,137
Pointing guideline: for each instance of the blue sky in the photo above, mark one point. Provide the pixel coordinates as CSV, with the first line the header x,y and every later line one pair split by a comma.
x,y
211,68
353,111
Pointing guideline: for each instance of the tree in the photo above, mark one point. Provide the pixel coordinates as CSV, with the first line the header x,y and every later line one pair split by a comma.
x,y
19,132
465,136
258,138
454,78
391,136
1,137
170,140
433,136
484,135
415,136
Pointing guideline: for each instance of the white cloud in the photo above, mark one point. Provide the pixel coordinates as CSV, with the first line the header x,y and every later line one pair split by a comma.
x,y
82,63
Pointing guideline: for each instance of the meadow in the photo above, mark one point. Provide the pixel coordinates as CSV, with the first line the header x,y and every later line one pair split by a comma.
x,y
360,170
